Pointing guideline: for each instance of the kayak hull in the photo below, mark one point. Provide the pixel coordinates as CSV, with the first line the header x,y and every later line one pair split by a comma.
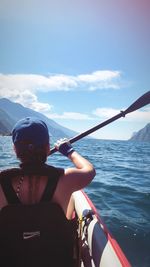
x,y
97,246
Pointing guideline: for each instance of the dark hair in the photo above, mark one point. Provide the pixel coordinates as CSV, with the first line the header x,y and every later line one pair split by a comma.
x,y
35,155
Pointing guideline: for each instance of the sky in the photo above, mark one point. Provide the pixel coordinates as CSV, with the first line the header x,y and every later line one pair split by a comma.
x,y
79,62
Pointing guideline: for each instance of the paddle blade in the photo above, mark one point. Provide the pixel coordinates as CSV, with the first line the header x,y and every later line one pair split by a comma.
x,y
139,103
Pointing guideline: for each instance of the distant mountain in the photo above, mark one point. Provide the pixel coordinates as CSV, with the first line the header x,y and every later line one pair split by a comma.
x,y
142,135
6,123
11,112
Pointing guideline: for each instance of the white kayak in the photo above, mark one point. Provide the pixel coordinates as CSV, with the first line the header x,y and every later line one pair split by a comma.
x,y
97,246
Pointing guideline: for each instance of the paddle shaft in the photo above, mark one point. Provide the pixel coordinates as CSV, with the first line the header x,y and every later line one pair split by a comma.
x,y
139,103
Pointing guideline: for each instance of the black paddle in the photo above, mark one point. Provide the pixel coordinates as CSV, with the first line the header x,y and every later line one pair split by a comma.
x,y
139,103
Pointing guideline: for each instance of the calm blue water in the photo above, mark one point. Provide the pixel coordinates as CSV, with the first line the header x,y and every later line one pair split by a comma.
x,y
120,190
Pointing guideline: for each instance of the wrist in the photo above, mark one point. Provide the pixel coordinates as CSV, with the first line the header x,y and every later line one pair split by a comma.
x,y
70,154
65,148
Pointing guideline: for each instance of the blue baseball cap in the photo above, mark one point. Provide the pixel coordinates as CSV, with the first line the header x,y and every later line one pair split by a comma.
x,y
31,132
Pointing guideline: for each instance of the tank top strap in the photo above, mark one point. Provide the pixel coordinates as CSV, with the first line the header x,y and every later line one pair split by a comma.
x,y
53,174
53,177
49,189
9,192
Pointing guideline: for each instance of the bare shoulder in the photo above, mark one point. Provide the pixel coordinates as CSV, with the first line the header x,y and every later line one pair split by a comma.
x,y
74,179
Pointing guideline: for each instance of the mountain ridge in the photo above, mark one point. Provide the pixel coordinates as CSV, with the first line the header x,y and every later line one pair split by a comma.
x,y
11,112
142,135
6,123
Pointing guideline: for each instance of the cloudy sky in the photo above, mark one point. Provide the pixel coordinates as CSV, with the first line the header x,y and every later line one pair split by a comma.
x,y
77,61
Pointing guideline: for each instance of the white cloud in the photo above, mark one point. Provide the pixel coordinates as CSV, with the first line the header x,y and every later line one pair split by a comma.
x,y
98,76
70,115
103,79
105,112
56,82
34,83
23,88
138,115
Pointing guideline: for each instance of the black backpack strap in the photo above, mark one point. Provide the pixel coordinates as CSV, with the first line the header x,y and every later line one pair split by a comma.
x,y
49,189
9,191
51,184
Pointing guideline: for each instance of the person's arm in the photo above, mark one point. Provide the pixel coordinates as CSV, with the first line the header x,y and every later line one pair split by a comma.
x,y
83,173
82,164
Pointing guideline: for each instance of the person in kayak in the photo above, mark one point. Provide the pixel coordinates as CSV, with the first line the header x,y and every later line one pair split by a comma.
x,y
37,182
31,143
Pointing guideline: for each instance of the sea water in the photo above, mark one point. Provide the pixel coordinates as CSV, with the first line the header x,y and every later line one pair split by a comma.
x,y
120,190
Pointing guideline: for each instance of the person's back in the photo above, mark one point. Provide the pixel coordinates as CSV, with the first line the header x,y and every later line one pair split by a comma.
x,y
32,183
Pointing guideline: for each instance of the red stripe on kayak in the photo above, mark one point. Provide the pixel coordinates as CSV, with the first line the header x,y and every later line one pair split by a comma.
x,y
121,256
